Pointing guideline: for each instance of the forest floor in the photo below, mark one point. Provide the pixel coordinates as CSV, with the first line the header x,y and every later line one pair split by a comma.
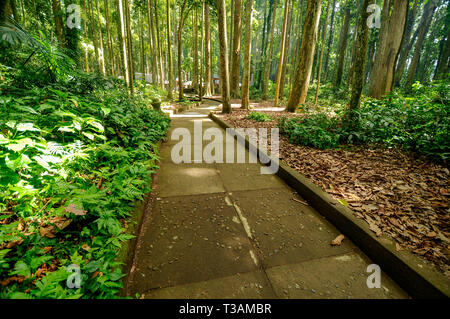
x,y
228,231
396,193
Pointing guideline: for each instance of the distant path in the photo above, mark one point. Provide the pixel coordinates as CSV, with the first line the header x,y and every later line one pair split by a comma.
x,y
226,231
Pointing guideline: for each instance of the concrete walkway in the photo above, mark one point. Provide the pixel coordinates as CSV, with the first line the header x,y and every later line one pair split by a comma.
x,y
226,231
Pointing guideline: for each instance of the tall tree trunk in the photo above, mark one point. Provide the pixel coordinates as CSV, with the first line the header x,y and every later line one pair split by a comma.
x,y
425,22
247,48
102,51
309,38
58,16
108,34
286,60
353,53
268,60
93,28
202,56
343,47
406,44
121,22
195,84
282,49
382,75
362,42
129,46
86,50
442,68
207,51
321,53
169,52
158,41
179,39
151,35
236,50
224,75
141,40
330,41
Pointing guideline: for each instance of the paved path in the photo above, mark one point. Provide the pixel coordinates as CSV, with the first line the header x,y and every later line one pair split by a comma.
x,y
226,231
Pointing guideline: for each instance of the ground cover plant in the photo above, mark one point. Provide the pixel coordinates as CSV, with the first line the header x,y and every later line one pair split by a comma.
x,y
71,167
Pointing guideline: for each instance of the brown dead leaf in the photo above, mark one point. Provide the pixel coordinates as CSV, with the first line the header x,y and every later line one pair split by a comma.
x,y
72,208
60,222
398,247
47,231
373,227
86,247
338,240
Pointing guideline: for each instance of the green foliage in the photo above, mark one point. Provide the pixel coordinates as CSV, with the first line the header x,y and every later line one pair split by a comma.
x,y
71,167
259,117
418,122
316,130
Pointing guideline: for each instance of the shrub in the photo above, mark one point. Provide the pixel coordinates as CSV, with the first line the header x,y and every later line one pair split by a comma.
x,y
259,117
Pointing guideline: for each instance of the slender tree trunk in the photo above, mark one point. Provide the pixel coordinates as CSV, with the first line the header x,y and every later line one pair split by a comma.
x,y
309,38
442,69
268,61
236,50
108,34
94,37
158,41
330,42
202,56
86,50
321,53
247,48
425,22
207,51
180,31
169,52
58,16
224,75
362,42
407,44
102,51
282,49
195,51
343,46
286,52
121,22
382,75
129,46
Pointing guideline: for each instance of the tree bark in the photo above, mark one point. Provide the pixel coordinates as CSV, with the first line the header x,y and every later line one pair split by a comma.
x,y
330,41
321,53
382,75
343,46
195,82
169,53
407,44
362,42
309,38
58,16
180,31
442,69
207,51
224,75
268,59
108,34
121,22
236,50
158,41
282,49
129,47
425,22
102,51
245,104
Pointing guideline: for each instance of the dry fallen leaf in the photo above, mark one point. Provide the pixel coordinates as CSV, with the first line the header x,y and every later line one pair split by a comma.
x,y
373,227
398,247
338,240
86,247
47,231
72,208
60,222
